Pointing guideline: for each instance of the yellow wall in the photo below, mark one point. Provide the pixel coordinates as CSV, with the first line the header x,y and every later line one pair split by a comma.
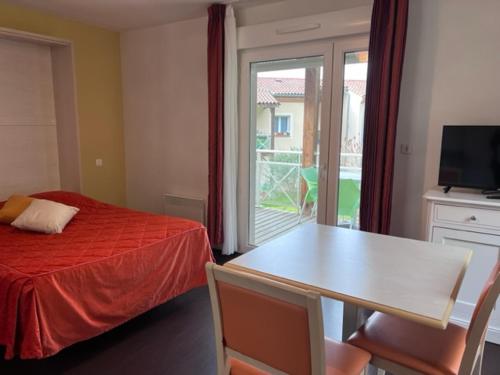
x,y
99,94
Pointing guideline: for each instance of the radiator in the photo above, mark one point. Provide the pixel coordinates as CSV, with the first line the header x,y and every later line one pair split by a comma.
x,y
185,207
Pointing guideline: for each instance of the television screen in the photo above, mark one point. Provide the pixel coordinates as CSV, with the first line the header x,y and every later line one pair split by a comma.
x,y
470,157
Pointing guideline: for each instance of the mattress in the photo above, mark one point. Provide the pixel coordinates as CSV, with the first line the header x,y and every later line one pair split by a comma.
x,y
109,265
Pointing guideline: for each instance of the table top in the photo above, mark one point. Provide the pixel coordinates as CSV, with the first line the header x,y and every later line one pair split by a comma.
x,y
412,279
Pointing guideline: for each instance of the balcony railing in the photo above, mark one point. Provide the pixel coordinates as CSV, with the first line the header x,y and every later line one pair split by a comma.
x,y
278,179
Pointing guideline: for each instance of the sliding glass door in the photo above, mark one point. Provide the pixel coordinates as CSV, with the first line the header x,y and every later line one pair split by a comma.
x,y
302,119
285,117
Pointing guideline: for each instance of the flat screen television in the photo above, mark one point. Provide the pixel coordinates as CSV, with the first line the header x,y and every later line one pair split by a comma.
x,y
470,157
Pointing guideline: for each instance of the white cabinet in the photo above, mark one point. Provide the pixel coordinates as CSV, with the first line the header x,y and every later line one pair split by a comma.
x,y
471,221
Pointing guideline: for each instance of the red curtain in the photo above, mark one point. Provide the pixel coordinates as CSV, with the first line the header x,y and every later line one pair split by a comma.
x,y
215,54
385,67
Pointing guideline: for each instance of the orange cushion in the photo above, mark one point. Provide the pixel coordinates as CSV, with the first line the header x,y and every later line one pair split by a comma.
x,y
14,207
424,349
343,359
264,328
242,368
340,358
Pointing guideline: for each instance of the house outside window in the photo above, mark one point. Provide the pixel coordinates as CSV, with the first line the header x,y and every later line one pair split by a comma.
x,y
282,125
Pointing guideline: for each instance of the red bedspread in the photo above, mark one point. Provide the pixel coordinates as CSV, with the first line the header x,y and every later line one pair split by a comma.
x,y
110,265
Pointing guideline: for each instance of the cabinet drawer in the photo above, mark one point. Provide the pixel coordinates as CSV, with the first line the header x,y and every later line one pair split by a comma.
x,y
470,216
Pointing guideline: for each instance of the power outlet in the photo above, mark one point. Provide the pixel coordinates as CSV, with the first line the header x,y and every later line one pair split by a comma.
x,y
405,149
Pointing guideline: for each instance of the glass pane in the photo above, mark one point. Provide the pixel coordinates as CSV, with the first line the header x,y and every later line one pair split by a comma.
x,y
285,109
351,150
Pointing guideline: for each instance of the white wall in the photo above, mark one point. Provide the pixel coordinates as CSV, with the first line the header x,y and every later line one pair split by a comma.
x,y
450,77
281,10
165,98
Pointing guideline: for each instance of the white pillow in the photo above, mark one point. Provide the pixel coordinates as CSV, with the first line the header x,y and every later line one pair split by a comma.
x,y
45,216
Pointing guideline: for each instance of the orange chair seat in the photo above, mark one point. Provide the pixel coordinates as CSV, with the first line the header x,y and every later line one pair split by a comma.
x,y
427,350
341,359
344,359
242,368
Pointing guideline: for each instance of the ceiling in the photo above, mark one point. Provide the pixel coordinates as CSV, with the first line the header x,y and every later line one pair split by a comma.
x,y
129,14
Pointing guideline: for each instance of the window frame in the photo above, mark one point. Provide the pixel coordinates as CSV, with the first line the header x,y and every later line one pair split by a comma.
x,y
290,122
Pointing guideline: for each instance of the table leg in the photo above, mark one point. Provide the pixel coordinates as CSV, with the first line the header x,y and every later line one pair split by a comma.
x,y
354,318
350,320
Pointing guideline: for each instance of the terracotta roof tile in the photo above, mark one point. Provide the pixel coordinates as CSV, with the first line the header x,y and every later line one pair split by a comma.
x,y
356,86
269,89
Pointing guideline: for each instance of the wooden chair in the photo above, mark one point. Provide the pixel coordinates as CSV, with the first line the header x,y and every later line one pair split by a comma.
x,y
265,327
403,347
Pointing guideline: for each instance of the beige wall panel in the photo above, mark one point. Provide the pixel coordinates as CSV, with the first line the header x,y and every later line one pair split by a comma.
x,y
28,160
26,90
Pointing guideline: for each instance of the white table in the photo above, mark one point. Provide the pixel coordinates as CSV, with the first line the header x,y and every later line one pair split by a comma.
x,y
412,279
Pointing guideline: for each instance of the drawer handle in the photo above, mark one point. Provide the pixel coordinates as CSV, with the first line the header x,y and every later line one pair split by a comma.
x,y
473,218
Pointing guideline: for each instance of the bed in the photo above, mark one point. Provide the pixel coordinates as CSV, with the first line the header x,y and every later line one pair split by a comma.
x,y
109,265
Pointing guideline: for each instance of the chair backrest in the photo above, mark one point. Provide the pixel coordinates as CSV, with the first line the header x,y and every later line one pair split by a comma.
x,y
269,325
479,321
349,196
310,175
